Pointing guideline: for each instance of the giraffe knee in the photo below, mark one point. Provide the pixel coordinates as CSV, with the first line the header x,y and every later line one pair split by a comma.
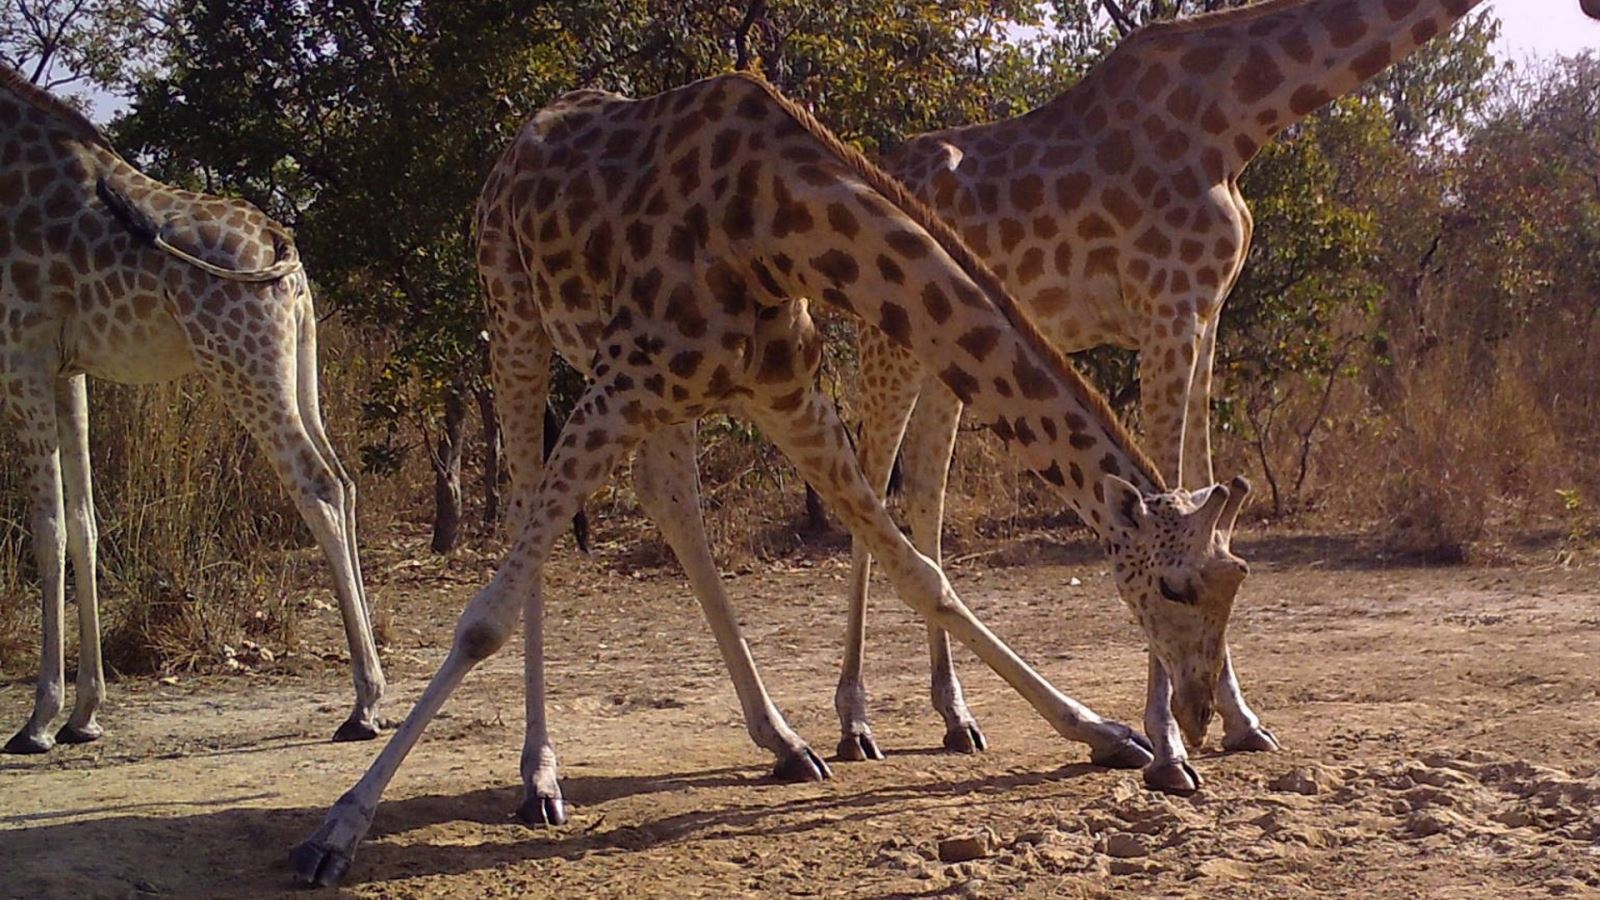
x,y
479,640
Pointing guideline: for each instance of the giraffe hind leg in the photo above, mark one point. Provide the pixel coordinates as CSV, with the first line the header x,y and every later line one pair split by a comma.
x,y
363,722
666,480
892,380
930,441
271,398
72,419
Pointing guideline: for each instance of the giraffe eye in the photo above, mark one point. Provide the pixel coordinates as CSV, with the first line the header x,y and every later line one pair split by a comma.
x,y
1185,596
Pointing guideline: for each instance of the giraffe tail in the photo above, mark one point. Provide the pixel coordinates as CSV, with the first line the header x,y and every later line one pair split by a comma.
x,y
147,230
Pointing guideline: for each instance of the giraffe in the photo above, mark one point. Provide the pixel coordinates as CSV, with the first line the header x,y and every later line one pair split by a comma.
x,y
107,272
663,246
1113,214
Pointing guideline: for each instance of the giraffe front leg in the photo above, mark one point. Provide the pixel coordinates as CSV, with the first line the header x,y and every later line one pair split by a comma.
x,y
1242,730
325,857
666,480
1170,771
31,400
812,437
930,440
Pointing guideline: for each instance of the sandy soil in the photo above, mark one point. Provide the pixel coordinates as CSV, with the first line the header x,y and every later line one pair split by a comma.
x,y
1440,730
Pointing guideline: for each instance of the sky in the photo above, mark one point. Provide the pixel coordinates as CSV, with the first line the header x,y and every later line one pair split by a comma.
x,y
1528,29
1543,28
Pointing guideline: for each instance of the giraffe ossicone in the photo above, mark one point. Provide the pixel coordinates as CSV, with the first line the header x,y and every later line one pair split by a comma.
x,y
663,247
105,272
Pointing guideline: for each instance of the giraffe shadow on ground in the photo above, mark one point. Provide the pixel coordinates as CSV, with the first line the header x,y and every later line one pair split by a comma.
x,y
242,852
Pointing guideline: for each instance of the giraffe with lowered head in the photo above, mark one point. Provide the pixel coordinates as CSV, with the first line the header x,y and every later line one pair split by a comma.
x,y
663,246
1113,215
107,272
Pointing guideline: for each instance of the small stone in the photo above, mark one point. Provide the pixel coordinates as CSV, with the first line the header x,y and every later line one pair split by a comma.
x,y
1308,780
1429,822
1516,818
964,847
1223,870
1123,845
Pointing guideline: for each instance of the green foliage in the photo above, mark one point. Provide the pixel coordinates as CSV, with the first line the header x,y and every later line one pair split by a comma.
x,y
57,43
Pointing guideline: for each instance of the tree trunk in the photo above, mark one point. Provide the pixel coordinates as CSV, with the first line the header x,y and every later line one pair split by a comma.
x,y
491,458
447,474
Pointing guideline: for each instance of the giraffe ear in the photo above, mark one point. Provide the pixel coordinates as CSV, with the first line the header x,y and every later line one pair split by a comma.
x,y
1125,507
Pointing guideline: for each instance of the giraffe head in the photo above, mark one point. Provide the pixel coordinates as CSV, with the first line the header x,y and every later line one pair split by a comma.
x,y
1176,570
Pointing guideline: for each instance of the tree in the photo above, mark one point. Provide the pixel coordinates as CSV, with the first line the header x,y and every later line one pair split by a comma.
x,y
61,43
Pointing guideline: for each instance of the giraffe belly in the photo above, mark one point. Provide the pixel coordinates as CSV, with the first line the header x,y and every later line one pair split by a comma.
x,y
1088,314
144,352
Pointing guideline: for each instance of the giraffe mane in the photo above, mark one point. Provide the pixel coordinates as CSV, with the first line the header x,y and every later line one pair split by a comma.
x,y
32,94
1092,401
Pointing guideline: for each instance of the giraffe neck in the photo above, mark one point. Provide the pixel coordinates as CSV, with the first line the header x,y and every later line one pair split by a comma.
x,y
1245,75
951,313
913,279
845,232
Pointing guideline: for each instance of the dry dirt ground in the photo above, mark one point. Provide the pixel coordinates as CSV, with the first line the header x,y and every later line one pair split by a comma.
x,y
1439,729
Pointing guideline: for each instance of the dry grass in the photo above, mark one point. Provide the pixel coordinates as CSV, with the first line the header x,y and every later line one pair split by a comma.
x,y
200,547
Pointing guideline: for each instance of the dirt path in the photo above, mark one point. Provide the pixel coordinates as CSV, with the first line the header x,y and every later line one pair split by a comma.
x,y
1440,729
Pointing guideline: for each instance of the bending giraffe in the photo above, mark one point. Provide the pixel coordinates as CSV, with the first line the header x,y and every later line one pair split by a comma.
x,y
109,273
662,246
1113,214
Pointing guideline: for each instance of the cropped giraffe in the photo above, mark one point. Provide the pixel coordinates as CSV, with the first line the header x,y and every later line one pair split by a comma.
x,y
1113,214
109,273
663,247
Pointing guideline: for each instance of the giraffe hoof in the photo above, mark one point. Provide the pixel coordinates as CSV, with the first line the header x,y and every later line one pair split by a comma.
x,y
316,863
72,734
1176,777
801,766
25,744
1256,740
355,729
1132,753
966,738
537,811
858,748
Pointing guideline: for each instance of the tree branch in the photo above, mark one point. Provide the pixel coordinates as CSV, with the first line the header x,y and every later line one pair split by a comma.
x,y
741,37
1119,18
